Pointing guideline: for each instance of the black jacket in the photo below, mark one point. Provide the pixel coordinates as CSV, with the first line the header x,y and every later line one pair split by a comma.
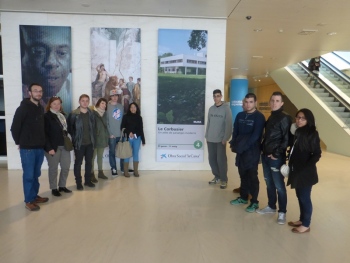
x,y
54,132
133,123
303,171
277,134
28,125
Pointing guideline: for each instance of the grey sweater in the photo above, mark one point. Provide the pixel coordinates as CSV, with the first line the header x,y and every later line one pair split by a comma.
x,y
114,118
219,125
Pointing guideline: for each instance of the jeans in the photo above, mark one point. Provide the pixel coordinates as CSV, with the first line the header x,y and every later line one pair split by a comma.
x,y
31,159
249,184
135,145
86,151
274,183
218,160
305,204
112,144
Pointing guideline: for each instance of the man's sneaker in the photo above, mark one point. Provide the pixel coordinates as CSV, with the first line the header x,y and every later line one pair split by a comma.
x,y
31,206
266,210
214,181
40,199
223,185
281,219
252,207
114,173
89,184
238,201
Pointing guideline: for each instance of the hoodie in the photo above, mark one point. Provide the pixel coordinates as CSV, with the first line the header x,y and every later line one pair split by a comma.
x,y
219,126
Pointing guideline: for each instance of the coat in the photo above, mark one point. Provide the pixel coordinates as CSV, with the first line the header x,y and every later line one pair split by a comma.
x,y
101,131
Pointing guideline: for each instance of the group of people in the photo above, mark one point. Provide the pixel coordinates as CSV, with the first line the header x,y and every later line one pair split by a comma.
x,y
273,142
91,129
128,92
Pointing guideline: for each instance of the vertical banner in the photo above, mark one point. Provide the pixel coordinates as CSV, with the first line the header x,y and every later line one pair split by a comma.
x,y
182,61
116,65
46,60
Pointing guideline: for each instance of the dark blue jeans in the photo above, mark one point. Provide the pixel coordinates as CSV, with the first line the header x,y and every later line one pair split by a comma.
x,y
276,189
31,159
305,204
112,143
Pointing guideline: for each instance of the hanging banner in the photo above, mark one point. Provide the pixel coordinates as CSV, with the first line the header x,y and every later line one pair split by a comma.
x,y
182,61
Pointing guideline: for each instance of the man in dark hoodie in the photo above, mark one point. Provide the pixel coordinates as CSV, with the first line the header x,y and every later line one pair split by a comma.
x,y
28,132
218,132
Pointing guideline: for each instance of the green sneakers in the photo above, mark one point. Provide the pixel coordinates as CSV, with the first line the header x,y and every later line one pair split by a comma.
x,y
252,207
238,201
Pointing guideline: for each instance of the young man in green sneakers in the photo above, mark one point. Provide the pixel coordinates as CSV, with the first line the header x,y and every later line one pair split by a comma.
x,y
217,134
246,138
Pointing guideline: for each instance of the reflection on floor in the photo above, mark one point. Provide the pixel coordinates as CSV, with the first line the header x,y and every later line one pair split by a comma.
x,y
172,216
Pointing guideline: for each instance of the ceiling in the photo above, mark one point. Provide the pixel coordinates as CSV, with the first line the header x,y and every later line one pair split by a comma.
x,y
255,47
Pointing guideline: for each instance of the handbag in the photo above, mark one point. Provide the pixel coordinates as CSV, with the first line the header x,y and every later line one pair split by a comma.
x,y
68,145
285,167
123,149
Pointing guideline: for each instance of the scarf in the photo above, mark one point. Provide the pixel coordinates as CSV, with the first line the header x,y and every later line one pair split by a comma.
x,y
61,118
100,111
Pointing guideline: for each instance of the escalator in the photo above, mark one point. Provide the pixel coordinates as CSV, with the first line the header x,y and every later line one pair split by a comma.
x,y
327,95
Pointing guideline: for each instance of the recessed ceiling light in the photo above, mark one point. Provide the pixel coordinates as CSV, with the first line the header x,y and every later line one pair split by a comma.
x,y
321,24
257,29
331,33
85,5
280,31
234,68
307,32
257,57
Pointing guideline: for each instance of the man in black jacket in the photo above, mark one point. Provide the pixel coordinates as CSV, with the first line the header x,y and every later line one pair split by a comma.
x,y
274,147
28,132
81,126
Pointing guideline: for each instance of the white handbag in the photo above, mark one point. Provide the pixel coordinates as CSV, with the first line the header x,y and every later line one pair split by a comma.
x,y
284,170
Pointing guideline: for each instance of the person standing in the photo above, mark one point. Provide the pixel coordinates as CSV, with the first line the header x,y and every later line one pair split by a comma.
x,y
55,128
133,125
115,112
246,140
218,132
274,147
302,162
81,126
130,85
28,132
101,141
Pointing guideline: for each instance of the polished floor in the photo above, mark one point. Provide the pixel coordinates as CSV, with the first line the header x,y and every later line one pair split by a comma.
x,y
172,216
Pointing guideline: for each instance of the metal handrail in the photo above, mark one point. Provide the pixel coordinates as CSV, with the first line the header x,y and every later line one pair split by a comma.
x,y
336,70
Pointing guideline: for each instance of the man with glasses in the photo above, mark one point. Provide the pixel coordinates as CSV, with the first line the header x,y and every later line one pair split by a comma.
x,y
274,147
28,132
218,132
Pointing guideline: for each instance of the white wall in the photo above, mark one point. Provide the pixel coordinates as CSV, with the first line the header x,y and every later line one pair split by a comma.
x,y
81,25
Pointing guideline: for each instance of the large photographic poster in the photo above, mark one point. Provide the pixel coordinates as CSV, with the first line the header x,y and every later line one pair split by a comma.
x,y
46,60
182,60
116,64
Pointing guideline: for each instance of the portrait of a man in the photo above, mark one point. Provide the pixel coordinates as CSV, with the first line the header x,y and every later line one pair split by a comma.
x,y
46,60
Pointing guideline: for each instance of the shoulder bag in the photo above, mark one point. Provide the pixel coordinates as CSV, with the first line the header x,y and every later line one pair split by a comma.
x,y
123,149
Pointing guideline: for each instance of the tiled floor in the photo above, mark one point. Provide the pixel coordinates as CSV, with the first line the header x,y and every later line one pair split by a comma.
x,y
172,216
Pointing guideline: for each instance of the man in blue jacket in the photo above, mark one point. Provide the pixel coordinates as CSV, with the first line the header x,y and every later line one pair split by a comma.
x,y
28,132
246,138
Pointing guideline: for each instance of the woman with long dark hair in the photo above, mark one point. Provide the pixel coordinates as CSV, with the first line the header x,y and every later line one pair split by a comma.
x,y
55,127
305,153
133,125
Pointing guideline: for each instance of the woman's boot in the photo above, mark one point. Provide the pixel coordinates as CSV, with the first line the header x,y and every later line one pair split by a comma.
x,y
136,169
126,169
101,175
93,178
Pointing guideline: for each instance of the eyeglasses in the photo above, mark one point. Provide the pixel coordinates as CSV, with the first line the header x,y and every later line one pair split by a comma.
x,y
216,96
300,118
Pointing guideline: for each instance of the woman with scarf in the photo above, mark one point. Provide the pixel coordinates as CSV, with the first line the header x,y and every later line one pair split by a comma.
x,y
305,153
55,127
101,140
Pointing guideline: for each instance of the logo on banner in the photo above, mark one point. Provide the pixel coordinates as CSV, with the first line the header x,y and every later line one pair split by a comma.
x,y
163,156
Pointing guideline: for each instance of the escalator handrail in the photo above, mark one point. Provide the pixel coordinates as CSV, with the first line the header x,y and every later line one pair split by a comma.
x,y
345,60
334,93
335,70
